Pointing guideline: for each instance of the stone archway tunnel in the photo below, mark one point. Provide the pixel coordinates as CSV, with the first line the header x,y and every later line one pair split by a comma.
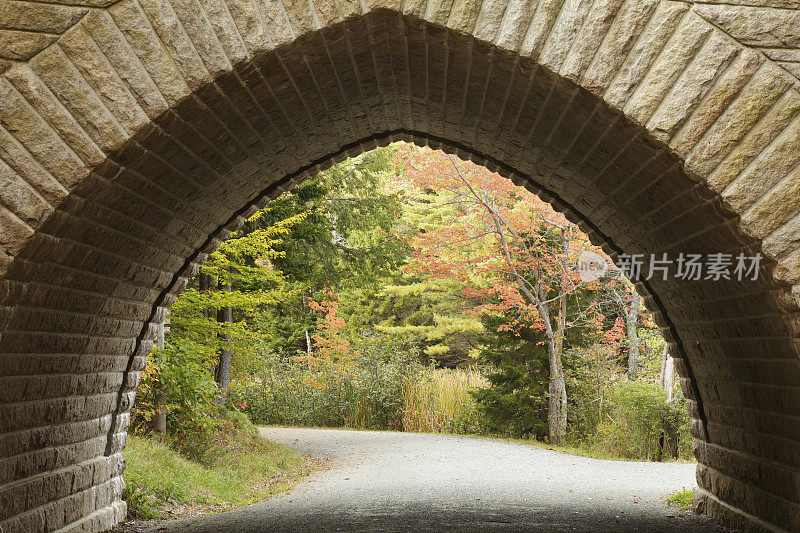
x,y
136,134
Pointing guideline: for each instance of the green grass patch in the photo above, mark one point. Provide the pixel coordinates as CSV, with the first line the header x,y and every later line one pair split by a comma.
x,y
683,499
571,450
241,467
591,452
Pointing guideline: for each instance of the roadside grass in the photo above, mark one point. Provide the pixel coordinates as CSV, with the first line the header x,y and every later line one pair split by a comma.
x,y
590,452
683,499
246,468
571,450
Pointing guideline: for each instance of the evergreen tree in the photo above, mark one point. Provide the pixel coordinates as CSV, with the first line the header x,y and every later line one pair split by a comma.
x,y
346,241
515,402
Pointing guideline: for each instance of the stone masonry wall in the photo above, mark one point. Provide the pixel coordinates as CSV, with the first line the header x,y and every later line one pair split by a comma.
x,y
136,135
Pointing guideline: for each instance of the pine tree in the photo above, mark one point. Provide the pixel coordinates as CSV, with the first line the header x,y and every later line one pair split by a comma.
x,y
515,402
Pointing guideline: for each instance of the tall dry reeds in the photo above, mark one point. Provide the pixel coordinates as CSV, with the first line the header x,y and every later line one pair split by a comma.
x,y
437,400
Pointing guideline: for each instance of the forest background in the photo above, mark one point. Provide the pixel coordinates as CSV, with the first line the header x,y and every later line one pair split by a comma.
x,y
406,289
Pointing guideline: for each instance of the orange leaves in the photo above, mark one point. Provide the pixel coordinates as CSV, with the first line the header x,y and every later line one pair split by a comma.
x,y
329,343
486,230
615,334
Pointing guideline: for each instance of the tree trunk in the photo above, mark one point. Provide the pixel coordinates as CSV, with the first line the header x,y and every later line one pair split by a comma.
x,y
557,388
557,402
631,321
160,421
223,373
666,377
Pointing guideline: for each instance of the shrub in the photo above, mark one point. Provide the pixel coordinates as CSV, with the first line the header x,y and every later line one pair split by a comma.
x,y
683,499
366,393
643,425
181,371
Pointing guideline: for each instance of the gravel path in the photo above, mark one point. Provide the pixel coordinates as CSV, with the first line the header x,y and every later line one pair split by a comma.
x,y
381,481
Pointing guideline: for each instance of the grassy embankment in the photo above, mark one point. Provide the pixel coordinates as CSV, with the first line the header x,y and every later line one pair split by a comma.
x,y
240,467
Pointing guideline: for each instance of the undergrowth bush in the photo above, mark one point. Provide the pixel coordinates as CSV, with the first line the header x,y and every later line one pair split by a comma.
x,y
643,425
365,393
180,371
384,387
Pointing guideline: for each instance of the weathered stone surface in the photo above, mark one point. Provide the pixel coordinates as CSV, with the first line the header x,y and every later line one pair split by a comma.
x,y
464,14
635,65
756,100
62,78
792,67
224,27
42,99
730,85
547,11
788,270
673,60
22,45
768,168
628,25
250,26
160,66
36,136
33,16
21,198
100,74
570,19
171,32
489,19
27,167
591,35
515,22
791,55
124,63
202,36
691,88
777,207
755,26
135,135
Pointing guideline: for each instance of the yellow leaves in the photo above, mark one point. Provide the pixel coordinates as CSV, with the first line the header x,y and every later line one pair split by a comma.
x,y
437,349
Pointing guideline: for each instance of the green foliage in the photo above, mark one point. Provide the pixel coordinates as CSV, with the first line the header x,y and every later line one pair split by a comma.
x,y
348,234
281,390
431,313
683,499
642,424
247,468
346,241
244,264
181,372
514,403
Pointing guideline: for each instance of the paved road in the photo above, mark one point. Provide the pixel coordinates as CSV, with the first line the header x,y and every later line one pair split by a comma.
x,y
379,481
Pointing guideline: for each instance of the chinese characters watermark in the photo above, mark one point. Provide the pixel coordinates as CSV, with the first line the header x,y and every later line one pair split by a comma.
x,y
686,266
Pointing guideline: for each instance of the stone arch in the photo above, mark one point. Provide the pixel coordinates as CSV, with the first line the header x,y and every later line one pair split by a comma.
x,y
135,136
